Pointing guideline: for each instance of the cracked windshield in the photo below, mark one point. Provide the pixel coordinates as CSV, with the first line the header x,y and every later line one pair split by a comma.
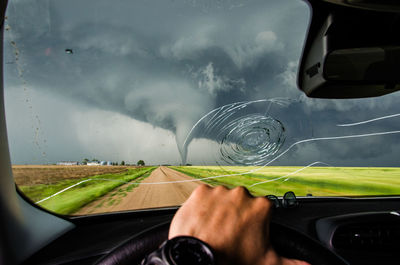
x,y
127,105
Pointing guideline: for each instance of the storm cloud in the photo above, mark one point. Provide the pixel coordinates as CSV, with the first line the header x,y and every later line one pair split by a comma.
x,y
157,67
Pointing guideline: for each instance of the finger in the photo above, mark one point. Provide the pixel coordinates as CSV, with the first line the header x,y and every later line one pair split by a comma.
x,y
190,212
200,192
264,207
242,191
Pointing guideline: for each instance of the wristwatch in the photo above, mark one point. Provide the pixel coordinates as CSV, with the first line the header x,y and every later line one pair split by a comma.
x,y
181,250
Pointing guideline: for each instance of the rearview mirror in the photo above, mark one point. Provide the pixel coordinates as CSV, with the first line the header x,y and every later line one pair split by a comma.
x,y
351,51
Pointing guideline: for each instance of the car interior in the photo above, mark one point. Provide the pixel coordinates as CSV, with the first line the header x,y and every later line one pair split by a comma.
x,y
352,50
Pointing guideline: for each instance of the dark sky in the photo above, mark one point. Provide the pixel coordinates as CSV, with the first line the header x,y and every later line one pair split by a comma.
x,y
143,76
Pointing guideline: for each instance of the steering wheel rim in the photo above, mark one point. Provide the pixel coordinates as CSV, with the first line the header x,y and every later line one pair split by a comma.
x,y
286,241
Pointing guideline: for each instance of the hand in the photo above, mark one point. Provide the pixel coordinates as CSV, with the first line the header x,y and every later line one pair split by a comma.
x,y
232,222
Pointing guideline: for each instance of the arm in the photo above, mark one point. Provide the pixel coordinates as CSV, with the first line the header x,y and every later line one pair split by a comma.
x,y
232,222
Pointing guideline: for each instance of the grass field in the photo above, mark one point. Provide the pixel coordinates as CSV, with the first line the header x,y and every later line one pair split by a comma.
x,y
116,195
42,182
74,198
318,181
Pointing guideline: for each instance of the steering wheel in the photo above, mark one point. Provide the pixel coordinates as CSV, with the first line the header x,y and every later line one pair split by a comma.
x,y
287,242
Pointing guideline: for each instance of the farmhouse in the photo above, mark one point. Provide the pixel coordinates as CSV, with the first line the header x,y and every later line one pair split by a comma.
x,y
93,163
67,163
100,163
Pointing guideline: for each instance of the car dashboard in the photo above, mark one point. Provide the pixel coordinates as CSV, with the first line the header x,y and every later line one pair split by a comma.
x,y
357,230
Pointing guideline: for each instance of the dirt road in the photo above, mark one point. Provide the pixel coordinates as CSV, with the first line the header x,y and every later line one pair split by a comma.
x,y
146,196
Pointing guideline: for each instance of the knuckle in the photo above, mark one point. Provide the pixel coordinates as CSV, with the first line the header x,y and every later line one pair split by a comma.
x,y
263,202
203,187
241,191
220,189
201,190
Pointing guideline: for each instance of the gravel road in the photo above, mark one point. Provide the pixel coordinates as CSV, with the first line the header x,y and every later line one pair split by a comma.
x,y
147,196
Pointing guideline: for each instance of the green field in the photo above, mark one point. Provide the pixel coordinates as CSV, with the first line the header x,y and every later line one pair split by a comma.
x,y
315,181
73,199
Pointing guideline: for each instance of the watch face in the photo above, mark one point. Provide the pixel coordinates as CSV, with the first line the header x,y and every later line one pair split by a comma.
x,y
187,250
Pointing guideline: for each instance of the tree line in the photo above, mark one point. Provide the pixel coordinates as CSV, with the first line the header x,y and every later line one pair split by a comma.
x,y
85,161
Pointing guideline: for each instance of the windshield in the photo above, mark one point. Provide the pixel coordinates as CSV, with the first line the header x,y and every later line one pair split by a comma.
x,y
124,105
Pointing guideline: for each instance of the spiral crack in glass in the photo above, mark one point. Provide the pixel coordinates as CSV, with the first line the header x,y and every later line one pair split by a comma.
x,y
251,139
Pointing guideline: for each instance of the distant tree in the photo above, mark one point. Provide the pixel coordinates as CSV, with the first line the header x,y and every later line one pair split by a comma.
x,y
85,161
122,163
95,160
140,163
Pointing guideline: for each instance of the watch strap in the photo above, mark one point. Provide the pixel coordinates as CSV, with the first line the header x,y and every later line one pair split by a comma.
x,y
181,250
